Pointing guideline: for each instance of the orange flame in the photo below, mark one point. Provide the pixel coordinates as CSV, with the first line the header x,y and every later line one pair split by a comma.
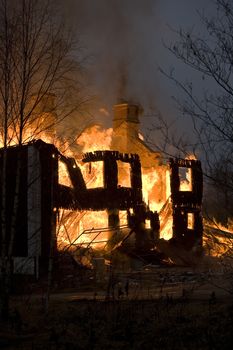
x,y
218,239
83,227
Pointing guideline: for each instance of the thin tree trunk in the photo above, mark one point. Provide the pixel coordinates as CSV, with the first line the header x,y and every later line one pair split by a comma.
x,y
4,295
51,252
3,288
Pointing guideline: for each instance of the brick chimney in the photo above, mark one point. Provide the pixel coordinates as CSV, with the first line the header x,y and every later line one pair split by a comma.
x,y
125,139
125,126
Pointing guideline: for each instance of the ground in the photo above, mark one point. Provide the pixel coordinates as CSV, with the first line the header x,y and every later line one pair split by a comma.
x,y
155,308
139,324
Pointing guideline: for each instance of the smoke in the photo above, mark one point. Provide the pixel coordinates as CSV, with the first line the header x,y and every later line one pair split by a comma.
x,y
119,38
123,40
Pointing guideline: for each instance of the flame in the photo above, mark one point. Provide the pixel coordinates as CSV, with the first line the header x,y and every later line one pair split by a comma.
x,y
186,179
191,156
166,232
95,139
218,239
82,228
87,227
123,174
149,180
63,177
93,174
28,135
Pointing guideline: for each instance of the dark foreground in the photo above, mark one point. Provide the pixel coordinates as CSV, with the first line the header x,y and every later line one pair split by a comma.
x,y
164,323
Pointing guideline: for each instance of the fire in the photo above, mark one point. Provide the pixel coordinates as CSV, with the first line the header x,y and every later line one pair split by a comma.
x,y
82,228
93,174
186,175
166,231
123,174
85,227
63,177
95,138
191,156
218,239
149,179
219,226
186,179
28,135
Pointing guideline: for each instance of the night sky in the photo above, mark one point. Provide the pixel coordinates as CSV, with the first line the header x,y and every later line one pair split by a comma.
x,y
123,40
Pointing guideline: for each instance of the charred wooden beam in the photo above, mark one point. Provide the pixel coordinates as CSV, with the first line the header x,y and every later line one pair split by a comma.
x,y
187,202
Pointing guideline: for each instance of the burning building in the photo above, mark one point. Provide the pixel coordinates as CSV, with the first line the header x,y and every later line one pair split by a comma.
x,y
186,199
127,138
101,200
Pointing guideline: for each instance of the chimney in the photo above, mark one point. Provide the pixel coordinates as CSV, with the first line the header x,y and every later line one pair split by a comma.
x,y
125,112
125,126
125,139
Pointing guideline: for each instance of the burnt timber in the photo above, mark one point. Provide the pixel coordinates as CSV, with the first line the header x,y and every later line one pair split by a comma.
x,y
41,196
111,196
187,204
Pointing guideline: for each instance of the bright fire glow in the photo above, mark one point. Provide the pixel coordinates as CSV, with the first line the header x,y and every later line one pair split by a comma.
x,y
93,174
123,217
190,221
191,157
63,175
185,179
28,135
95,139
166,231
149,179
81,226
86,227
218,239
123,174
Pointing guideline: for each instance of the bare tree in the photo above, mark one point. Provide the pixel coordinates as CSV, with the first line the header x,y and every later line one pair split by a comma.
x,y
39,63
208,100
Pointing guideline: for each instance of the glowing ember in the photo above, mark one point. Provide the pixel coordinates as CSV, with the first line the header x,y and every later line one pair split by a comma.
x,y
82,228
218,239
123,217
166,231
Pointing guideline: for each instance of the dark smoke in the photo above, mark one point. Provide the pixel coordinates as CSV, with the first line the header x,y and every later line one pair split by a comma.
x,y
123,42
120,38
